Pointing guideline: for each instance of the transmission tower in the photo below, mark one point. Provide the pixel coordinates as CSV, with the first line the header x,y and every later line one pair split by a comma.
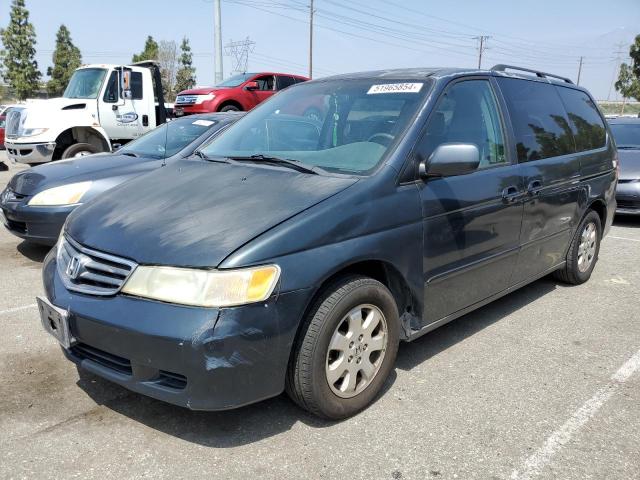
x,y
239,52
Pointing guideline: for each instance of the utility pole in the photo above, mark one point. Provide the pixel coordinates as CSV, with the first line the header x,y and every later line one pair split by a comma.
x,y
218,42
482,39
579,71
311,39
616,71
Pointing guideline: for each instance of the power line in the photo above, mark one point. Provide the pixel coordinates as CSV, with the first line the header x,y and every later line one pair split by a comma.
x,y
239,51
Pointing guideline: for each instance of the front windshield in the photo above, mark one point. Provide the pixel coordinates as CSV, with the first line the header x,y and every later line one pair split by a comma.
x,y
85,83
236,80
342,126
169,139
626,134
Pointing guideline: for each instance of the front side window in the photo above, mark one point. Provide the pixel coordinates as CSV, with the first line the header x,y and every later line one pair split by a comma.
x,y
265,83
85,83
136,85
540,123
355,122
111,91
168,139
467,113
588,126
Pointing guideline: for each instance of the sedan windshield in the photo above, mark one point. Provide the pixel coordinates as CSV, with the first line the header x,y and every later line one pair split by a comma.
x,y
168,139
626,134
236,80
85,83
342,126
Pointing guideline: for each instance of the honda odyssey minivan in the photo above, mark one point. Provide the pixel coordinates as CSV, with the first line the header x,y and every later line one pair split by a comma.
x,y
295,253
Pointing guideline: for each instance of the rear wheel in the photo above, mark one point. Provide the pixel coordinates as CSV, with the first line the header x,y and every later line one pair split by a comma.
x,y
229,108
347,349
583,251
79,150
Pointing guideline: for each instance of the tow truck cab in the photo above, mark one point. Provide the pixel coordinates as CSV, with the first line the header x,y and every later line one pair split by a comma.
x,y
102,106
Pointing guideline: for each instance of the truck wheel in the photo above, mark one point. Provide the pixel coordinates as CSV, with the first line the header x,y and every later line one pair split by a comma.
x,y
346,350
230,108
79,150
583,251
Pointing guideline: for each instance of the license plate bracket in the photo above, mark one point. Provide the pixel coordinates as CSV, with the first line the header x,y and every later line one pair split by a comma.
x,y
55,321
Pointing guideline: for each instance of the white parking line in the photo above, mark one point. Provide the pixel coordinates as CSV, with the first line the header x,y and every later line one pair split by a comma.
x,y
623,238
17,309
536,462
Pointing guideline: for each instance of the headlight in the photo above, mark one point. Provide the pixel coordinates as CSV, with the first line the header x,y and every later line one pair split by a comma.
x,y
62,195
204,98
203,288
30,132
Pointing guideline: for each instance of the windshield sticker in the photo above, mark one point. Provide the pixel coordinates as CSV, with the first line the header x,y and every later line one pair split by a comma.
x,y
203,123
395,88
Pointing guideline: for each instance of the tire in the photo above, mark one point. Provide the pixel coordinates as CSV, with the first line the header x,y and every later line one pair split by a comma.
x,y
312,359
229,108
78,150
584,247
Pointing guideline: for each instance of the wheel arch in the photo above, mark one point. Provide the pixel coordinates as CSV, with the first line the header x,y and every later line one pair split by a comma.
x,y
226,103
600,207
80,135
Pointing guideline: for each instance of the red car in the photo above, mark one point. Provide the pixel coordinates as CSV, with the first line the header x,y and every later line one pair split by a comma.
x,y
240,92
3,121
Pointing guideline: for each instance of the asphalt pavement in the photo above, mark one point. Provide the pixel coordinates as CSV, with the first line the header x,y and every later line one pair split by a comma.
x,y
543,383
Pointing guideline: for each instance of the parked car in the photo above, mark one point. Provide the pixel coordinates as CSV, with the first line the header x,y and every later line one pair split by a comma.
x,y
36,202
3,122
298,257
238,93
626,132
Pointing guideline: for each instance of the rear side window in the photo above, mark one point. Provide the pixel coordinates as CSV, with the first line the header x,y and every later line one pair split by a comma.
x,y
136,85
285,81
539,119
588,126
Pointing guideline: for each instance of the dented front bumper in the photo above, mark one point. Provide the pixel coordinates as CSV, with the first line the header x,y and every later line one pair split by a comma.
x,y
200,358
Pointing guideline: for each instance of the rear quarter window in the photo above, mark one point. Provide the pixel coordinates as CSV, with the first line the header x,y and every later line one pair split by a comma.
x,y
586,122
540,123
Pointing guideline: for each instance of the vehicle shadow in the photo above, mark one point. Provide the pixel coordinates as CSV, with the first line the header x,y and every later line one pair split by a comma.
x,y
629,221
277,415
32,251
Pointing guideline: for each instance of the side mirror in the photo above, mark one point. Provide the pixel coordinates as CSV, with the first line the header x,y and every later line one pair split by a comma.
x,y
450,159
126,83
252,86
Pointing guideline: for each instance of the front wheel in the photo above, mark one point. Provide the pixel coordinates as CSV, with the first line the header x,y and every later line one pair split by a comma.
x,y
79,150
230,108
583,251
346,350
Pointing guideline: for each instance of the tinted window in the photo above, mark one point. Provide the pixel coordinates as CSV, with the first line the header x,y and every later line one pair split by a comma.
x,y
539,119
467,113
284,81
626,134
136,85
588,126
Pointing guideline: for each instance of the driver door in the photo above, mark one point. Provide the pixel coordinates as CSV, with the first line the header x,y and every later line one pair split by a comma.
x,y
266,88
123,118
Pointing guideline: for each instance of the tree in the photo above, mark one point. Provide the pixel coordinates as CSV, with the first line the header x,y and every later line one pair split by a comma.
x,y
628,83
186,75
66,59
168,60
19,39
150,51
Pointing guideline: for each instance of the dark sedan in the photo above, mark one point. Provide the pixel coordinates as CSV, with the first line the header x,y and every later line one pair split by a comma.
x,y
36,202
626,132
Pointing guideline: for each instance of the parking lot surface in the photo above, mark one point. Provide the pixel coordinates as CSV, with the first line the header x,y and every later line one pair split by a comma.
x,y
543,383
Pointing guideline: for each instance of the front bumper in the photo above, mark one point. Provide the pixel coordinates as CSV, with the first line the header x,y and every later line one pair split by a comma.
x,y
36,224
628,197
30,152
199,358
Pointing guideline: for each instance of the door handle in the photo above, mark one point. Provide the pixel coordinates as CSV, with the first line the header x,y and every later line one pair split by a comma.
x,y
534,187
510,194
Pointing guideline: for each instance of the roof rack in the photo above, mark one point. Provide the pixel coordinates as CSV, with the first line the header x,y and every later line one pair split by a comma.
x,y
501,68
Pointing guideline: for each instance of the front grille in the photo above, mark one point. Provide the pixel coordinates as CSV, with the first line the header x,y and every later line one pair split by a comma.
x,y
89,271
18,227
186,99
10,196
172,380
628,204
113,362
13,123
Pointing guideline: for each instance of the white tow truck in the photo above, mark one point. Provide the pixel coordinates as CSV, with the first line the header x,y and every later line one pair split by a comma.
x,y
102,107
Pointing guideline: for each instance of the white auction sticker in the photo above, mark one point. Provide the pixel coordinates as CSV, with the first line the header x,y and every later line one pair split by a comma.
x,y
203,123
395,88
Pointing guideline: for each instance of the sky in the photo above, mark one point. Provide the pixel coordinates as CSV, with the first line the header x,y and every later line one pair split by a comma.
x,y
355,35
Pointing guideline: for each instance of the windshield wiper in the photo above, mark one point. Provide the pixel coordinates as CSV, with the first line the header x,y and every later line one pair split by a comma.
x,y
285,162
199,153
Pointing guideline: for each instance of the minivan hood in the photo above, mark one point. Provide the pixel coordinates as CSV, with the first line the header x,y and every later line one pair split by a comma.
x,y
36,179
629,164
196,213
